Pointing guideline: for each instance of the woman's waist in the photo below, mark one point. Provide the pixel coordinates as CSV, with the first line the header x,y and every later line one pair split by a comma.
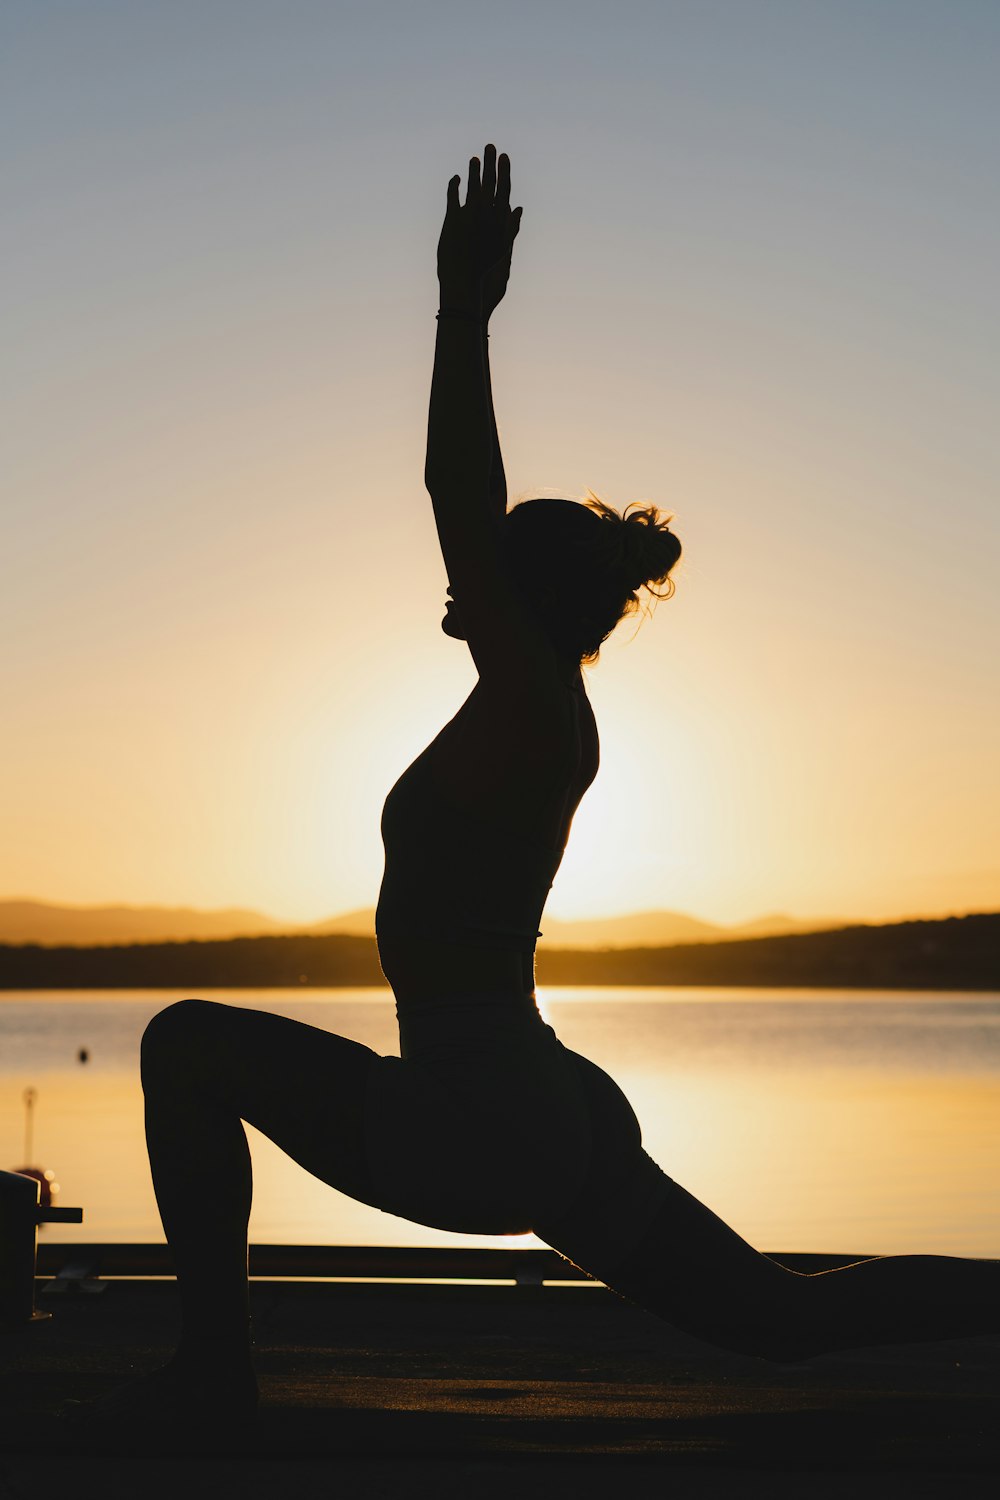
x,y
461,915
473,1030
429,969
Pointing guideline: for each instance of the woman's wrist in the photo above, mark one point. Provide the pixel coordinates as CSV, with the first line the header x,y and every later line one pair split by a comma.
x,y
459,315
460,297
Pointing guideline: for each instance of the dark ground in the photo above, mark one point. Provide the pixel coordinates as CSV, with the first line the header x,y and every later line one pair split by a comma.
x,y
395,1390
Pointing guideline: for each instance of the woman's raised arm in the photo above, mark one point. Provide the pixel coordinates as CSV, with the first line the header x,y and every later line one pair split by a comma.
x,y
474,256
458,426
463,470
494,288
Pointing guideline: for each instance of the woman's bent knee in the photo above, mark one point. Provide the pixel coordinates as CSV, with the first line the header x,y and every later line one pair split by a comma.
x,y
172,1036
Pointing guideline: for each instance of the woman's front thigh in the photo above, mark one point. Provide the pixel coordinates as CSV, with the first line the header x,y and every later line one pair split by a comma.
x,y
302,1087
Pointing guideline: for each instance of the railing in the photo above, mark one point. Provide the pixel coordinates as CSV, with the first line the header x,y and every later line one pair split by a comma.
x,y
366,1262
529,1267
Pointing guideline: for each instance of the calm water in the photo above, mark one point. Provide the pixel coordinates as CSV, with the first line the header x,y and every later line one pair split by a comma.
x,y
839,1121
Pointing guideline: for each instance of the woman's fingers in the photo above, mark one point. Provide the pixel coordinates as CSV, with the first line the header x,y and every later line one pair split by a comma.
x,y
503,180
488,184
489,173
474,191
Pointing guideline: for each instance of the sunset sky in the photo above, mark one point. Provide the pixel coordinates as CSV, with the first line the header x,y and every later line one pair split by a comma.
x,y
756,284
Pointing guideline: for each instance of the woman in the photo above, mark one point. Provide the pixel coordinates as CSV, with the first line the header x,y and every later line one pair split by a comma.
x,y
486,1123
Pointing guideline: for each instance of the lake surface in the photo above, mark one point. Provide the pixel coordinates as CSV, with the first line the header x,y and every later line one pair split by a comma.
x,y
839,1121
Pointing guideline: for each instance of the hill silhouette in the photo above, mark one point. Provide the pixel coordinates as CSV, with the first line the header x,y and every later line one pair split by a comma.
x,y
957,953
52,925
27,921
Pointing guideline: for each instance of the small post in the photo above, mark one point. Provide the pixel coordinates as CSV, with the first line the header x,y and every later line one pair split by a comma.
x,y
29,1096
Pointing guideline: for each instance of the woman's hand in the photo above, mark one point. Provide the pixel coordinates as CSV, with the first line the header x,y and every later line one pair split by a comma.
x,y
477,238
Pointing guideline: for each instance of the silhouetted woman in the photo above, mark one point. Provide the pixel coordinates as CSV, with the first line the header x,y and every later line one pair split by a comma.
x,y
486,1123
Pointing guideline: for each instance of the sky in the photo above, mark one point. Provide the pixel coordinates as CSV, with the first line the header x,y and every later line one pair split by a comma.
x,y
755,284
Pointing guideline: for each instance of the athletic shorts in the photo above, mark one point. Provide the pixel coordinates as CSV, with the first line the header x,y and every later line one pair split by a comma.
x,y
487,1124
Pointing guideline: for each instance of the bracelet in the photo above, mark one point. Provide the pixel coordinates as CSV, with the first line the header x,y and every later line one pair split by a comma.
x,y
456,312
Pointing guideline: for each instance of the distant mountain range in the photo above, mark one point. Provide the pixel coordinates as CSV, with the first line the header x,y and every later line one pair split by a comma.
x,y
956,954
53,926
642,929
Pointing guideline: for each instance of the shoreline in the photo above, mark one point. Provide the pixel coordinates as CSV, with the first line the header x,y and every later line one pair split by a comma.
x,y
953,954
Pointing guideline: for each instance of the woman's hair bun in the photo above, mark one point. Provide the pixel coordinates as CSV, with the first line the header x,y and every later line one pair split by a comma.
x,y
582,567
638,545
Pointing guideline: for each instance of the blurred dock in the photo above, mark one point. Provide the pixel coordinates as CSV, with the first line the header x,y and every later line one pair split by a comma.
x,y
400,1388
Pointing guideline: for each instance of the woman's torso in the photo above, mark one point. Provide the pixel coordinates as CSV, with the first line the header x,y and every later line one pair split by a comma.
x,y
474,831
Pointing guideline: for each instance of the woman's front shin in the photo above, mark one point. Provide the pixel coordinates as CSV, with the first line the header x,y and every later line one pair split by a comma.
x,y
200,1162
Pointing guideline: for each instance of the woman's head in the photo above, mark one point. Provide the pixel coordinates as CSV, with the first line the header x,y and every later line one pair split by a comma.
x,y
581,566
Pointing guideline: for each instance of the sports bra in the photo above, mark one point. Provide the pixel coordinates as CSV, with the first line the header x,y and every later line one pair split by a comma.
x,y
452,878
449,878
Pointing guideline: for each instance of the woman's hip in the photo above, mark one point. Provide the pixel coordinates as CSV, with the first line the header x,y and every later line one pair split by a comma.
x,y
493,1134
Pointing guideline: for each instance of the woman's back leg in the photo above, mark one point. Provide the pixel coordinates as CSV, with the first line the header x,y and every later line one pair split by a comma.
x,y
696,1272
642,1234
636,1230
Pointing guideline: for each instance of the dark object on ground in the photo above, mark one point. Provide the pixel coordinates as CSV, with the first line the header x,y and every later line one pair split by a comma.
x,y
22,1208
